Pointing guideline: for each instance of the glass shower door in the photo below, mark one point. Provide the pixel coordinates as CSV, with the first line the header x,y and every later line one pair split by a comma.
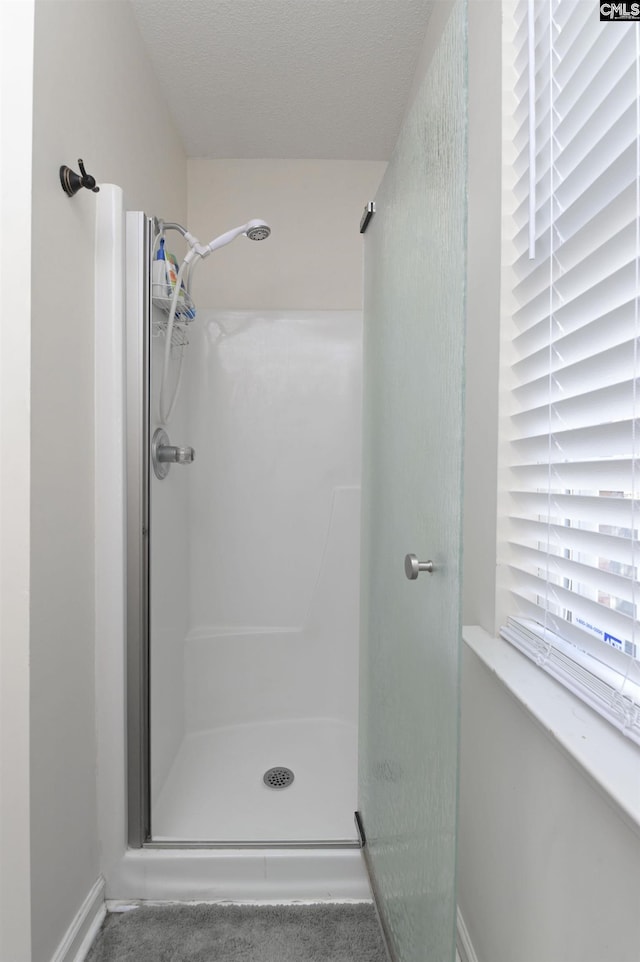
x,y
415,267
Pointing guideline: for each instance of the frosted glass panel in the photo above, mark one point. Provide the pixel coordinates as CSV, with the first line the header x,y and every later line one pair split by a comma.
x,y
415,267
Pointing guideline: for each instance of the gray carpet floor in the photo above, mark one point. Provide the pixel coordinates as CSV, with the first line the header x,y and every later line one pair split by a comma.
x,y
241,933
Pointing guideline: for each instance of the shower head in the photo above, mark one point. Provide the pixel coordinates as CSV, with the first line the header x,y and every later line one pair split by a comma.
x,y
255,230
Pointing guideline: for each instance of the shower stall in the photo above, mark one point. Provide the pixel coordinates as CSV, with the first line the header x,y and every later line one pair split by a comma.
x,y
291,655
249,498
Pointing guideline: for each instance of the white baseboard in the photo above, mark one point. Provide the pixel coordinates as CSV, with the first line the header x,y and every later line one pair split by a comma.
x,y
466,952
80,935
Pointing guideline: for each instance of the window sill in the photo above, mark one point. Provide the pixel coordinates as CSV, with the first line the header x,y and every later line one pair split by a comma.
x,y
608,759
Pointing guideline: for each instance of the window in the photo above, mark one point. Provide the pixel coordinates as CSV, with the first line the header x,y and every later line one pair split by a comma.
x,y
572,428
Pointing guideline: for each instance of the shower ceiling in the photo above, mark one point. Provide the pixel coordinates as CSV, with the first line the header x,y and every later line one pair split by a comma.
x,y
322,79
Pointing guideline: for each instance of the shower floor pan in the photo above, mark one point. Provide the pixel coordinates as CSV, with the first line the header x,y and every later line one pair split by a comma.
x,y
215,790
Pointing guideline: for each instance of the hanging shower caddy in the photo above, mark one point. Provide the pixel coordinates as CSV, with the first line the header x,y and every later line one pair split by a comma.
x,y
185,314
165,277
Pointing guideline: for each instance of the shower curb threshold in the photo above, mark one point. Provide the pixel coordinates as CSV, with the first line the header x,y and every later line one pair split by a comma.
x,y
238,874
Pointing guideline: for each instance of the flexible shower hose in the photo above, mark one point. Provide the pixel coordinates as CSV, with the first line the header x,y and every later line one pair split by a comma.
x,y
167,410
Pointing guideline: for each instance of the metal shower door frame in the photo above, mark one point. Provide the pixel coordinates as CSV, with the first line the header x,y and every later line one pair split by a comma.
x,y
138,307
139,243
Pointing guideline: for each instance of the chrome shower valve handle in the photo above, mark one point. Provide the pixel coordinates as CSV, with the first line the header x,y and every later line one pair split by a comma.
x,y
164,454
171,454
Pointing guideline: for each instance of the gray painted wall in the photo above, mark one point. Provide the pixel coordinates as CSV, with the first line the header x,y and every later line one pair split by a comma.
x,y
124,134
16,76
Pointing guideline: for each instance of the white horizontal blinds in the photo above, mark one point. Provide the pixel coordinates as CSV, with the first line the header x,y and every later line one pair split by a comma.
x,y
575,476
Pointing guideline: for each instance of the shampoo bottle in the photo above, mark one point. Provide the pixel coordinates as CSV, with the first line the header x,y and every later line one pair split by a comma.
x,y
173,269
159,274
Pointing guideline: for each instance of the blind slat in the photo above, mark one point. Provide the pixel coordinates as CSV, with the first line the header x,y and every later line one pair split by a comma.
x,y
615,365
618,176
613,400
590,252
587,477
558,508
596,441
610,136
595,544
582,579
605,619
596,299
584,639
582,90
575,343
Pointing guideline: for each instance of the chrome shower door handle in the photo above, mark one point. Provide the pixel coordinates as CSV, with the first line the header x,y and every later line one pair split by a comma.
x,y
413,567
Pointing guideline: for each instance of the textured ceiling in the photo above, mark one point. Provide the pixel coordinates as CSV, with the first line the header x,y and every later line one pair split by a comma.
x,y
325,79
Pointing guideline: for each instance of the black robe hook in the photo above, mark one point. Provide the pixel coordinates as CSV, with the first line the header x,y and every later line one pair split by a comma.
x,y
72,182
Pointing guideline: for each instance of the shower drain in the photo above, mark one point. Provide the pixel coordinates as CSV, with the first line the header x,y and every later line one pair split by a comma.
x,y
278,777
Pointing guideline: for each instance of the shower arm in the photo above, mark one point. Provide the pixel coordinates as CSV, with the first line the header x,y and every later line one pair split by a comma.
x,y
195,246
162,225
193,242
197,249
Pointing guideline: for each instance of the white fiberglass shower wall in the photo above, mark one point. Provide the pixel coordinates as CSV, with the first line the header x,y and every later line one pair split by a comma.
x,y
254,575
